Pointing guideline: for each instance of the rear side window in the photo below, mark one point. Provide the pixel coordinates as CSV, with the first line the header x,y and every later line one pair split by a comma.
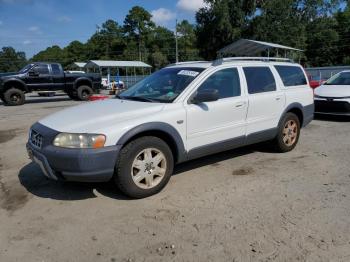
x,y
226,81
55,69
259,79
291,75
42,69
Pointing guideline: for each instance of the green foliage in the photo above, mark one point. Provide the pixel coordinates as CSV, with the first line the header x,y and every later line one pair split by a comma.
x,y
10,60
221,23
317,26
322,42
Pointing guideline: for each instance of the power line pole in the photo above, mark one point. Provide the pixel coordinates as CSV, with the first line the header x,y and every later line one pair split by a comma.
x,y
176,45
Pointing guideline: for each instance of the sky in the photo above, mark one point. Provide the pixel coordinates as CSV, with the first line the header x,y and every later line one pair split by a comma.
x,y
34,25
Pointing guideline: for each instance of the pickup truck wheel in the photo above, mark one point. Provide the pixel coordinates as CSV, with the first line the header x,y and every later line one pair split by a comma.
x,y
14,97
2,98
144,167
84,92
288,133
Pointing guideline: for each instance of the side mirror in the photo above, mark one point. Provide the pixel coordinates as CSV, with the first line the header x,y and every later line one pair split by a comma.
x,y
33,73
206,95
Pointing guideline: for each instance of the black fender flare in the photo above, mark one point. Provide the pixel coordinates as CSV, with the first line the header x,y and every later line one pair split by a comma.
x,y
76,82
17,81
158,126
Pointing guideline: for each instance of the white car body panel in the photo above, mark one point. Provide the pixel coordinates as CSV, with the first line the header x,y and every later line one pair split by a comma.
x,y
198,125
333,91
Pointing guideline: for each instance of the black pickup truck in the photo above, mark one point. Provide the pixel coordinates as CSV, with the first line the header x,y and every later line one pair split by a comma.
x,y
46,77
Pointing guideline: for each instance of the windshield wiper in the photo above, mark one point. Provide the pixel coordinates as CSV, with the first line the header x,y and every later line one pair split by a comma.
x,y
137,98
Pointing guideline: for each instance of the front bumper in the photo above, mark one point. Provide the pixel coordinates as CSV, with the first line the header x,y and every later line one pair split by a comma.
x,y
332,107
83,165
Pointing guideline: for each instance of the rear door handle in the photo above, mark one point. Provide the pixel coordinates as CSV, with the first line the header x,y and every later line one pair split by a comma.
x,y
278,98
240,104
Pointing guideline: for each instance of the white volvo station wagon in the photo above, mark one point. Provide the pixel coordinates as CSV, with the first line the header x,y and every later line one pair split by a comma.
x,y
182,112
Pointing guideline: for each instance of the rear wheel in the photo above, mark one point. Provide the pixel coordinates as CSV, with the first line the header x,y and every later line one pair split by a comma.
x,y
14,97
288,133
144,167
84,93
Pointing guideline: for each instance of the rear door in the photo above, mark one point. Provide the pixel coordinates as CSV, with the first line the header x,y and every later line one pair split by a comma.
x,y
57,77
266,103
218,123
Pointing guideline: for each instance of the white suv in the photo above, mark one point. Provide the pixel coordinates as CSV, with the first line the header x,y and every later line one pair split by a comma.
x,y
184,111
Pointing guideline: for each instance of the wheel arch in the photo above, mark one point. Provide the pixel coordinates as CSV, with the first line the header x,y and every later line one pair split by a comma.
x,y
297,109
14,83
161,130
82,81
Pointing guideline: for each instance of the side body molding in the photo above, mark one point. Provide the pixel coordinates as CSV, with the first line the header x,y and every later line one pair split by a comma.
x,y
170,131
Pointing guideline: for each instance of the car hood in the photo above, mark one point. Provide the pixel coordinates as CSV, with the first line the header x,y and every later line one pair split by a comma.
x,y
8,75
92,116
333,91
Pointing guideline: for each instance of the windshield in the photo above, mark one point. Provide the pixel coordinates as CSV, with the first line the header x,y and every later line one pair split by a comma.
x,y
339,79
163,86
26,69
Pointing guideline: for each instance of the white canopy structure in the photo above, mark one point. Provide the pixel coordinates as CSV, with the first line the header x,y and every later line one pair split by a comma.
x,y
247,47
130,68
80,64
116,64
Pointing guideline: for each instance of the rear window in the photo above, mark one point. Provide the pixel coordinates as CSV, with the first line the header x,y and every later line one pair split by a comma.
x,y
259,79
55,69
291,75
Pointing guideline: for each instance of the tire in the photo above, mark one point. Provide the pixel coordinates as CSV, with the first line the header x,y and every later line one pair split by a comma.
x,y
84,92
2,98
14,97
288,133
136,173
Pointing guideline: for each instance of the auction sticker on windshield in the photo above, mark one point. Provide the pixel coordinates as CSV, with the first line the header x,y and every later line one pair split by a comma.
x,y
188,73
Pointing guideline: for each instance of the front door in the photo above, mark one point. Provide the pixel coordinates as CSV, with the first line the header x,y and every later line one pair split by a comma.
x,y
39,78
212,126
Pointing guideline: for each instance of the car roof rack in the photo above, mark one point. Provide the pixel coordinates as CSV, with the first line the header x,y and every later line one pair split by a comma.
x,y
262,59
188,62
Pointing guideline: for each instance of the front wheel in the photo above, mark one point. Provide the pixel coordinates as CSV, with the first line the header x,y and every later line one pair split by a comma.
x,y
288,133
144,167
14,97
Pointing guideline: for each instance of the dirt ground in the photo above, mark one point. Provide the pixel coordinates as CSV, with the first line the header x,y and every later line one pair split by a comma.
x,y
249,204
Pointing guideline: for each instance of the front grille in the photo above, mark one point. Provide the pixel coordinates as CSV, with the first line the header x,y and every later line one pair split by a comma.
x,y
36,139
332,106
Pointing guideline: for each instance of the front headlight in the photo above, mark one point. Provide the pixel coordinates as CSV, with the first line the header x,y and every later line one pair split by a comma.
x,y
79,140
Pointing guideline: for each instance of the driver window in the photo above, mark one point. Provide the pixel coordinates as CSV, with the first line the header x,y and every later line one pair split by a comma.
x,y
41,69
226,81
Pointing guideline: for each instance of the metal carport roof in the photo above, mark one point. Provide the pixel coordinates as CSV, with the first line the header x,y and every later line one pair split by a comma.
x,y
247,47
104,63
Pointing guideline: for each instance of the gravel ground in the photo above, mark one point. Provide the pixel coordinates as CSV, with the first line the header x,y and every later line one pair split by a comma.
x,y
249,204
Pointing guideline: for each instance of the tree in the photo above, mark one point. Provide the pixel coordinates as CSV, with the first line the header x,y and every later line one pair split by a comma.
x,y
220,23
11,60
107,42
74,52
322,39
343,29
187,41
137,26
279,22
50,54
